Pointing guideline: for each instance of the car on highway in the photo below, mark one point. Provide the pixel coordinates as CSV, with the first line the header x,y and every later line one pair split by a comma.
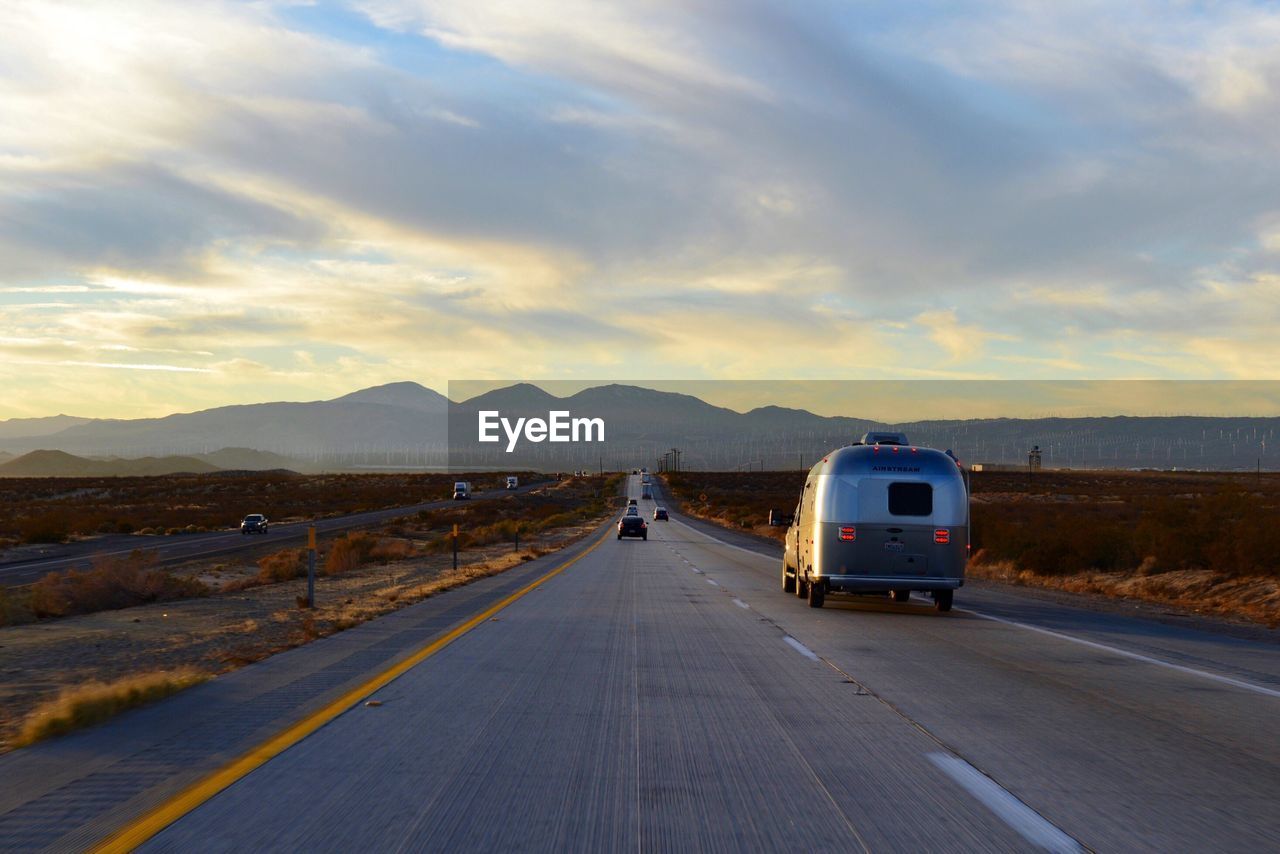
x,y
461,491
632,510
632,525
513,482
660,513
254,523
646,494
631,502
879,516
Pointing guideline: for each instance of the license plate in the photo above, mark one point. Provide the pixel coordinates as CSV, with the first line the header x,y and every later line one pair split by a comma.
x,y
894,546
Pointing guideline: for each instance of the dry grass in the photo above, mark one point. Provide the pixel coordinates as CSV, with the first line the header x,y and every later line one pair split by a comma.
x,y
113,582
283,565
85,705
1200,590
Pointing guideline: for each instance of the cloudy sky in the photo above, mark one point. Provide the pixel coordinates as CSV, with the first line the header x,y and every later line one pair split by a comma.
x,y
216,202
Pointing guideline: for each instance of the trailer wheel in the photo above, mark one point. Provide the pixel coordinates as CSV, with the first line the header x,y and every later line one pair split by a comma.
x,y
900,595
942,600
788,579
817,594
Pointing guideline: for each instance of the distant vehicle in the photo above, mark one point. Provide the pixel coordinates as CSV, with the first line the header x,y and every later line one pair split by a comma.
x,y
254,523
646,494
879,517
635,471
513,482
633,510
631,501
644,470
660,513
633,526
644,478
461,491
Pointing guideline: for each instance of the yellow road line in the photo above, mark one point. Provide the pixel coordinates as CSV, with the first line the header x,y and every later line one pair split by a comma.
x,y
141,829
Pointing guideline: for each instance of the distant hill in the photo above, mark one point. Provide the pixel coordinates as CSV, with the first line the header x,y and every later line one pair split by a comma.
x,y
47,463
406,425
19,427
403,395
399,423
249,460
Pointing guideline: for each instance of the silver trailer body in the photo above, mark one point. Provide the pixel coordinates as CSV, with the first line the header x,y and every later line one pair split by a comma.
x,y
880,518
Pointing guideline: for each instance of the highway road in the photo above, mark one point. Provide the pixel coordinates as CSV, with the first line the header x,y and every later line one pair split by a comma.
x,y
666,695
181,548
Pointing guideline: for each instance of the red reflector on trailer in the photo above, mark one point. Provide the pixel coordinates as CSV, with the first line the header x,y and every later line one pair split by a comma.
x,y
941,535
848,533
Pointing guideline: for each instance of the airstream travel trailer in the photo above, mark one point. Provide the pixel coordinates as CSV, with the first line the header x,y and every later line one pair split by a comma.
x,y
880,516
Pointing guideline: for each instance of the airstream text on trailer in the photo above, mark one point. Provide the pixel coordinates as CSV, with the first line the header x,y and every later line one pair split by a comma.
x,y
880,516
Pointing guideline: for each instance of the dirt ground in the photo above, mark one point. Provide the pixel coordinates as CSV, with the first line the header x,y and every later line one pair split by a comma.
x,y
232,628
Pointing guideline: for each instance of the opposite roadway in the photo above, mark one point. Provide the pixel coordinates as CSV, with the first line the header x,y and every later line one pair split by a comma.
x,y
181,548
666,695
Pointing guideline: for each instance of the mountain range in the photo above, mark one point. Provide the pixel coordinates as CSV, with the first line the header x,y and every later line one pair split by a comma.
x,y
405,425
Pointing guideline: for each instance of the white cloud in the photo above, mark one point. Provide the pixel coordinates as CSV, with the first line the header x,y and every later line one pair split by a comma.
x,y
783,188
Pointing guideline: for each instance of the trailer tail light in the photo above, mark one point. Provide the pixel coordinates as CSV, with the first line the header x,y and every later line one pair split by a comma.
x,y
848,533
941,535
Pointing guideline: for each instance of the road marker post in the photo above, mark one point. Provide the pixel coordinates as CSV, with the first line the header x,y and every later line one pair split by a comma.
x,y
455,545
311,566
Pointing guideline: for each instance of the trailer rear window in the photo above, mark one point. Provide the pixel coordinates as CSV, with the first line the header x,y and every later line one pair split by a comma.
x,y
911,499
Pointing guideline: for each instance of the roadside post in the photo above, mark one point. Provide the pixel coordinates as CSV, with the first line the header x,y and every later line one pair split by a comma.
x,y
455,545
311,566
517,536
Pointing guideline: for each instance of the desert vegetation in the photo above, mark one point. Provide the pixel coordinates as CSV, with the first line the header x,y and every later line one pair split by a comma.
x,y
1186,533
122,582
84,705
52,510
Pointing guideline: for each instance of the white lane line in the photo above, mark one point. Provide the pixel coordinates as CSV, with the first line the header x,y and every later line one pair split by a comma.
x,y
1239,683
1029,824
713,582
719,542
1137,656
743,605
801,648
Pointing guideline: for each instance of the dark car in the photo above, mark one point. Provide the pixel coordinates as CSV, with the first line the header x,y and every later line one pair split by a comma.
x,y
633,526
660,513
630,501
254,523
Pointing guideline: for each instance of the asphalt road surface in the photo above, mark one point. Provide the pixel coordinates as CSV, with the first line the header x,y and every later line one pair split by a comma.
x,y
665,695
184,547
